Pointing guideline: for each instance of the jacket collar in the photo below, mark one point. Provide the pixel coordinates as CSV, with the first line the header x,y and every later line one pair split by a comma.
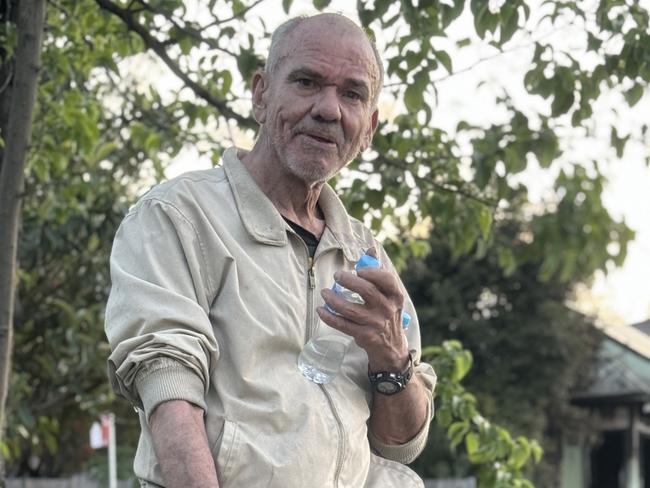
x,y
265,224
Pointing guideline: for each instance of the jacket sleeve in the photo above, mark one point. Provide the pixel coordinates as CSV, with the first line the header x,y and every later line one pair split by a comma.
x,y
162,341
407,453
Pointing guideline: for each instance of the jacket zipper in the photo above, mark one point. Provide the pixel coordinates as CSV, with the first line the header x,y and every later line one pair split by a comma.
x,y
310,300
340,448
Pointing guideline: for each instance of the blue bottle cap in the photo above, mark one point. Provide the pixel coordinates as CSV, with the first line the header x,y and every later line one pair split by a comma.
x,y
366,261
406,320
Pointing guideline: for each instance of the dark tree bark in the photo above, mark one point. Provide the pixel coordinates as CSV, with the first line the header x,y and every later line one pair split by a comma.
x,y
8,13
16,135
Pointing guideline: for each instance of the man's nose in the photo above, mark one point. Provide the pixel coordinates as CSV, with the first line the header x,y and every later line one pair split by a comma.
x,y
326,105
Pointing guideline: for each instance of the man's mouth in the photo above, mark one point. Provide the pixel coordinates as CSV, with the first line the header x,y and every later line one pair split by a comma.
x,y
320,138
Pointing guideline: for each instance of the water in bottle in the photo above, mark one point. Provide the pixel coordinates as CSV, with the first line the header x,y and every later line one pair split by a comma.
x,y
321,358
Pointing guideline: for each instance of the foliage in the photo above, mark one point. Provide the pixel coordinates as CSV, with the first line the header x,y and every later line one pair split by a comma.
x,y
529,350
499,457
101,134
74,199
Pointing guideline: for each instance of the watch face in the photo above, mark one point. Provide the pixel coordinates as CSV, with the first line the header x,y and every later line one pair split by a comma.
x,y
388,387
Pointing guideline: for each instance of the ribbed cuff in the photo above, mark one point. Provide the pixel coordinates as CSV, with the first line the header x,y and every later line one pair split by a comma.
x,y
404,453
166,380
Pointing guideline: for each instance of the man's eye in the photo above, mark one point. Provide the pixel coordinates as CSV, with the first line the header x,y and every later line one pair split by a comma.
x,y
353,95
305,82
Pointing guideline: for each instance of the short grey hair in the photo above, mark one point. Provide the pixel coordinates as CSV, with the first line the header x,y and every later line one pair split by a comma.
x,y
283,31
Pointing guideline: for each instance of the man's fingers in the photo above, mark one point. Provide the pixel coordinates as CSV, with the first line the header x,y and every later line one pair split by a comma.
x,y
384,281
369,281
339,323
356,313
363,287
379,342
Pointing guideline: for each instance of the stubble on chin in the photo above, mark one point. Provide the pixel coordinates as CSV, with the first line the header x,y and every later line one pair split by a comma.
x,y
303,166
305,170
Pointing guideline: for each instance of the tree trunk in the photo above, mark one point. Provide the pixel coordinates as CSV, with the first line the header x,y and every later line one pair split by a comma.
x,y
31,19
8,14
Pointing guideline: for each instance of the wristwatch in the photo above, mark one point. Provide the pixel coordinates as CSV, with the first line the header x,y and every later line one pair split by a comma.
x,y
388,383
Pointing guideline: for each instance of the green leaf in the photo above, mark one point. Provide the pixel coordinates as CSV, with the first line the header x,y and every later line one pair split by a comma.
x,y
152,142
618,142
519,455
445,60
93,243
381,7
462,365
321,4
228,32
247,62
485,221
484,169
456,432
104,150
413,98
186,44
375,198
471,443
510,23
562,102
413,58
480,10
593,43
547,147
536,451
514,160
286,5
444,416
4,450
237,7
226,80
507,260
26,418
634,94
549,266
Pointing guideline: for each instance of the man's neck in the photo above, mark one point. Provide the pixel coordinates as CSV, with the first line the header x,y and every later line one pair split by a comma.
x,y
295,199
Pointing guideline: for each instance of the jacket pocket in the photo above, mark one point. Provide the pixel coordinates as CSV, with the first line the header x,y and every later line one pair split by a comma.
x,y
384,473
224,450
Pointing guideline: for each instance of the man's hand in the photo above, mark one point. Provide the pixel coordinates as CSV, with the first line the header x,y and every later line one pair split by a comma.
x,y
376,326
181,446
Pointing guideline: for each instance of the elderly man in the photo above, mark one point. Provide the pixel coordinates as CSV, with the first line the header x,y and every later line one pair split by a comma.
x,y
216,278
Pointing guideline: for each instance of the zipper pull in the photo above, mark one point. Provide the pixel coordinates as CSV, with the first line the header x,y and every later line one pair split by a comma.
x,y
310,273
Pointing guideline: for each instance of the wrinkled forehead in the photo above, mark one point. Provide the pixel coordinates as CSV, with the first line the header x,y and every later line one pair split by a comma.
x,y
332,36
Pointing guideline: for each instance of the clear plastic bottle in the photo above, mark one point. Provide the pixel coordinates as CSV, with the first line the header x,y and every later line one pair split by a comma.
x,y
321,358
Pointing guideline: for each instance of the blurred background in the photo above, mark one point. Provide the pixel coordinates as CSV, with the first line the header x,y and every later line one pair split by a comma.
x,y
508,180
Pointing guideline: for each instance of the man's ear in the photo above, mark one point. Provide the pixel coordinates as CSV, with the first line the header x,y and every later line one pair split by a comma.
x,y
374,122
259,88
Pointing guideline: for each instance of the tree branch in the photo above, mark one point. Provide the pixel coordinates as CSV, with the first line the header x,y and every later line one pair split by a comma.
x,y
157,47
235,16
478,62
444,187
193,33
59,7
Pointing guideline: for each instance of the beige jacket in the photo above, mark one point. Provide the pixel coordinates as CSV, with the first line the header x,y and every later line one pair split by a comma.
x,y
213,296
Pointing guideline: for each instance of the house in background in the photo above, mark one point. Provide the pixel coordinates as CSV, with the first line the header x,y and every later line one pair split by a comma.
x,y
617,454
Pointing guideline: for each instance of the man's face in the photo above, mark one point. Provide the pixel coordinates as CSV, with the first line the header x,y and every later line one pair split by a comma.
x,y
318,106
